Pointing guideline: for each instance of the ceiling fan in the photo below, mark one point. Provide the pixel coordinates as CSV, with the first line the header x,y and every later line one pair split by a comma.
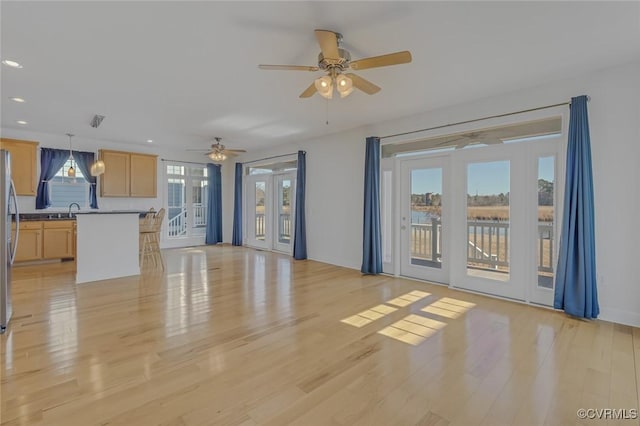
x,y
219,152
336,61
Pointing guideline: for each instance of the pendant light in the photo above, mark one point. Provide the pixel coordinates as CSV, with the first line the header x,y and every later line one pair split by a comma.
x,y
71,172
97,168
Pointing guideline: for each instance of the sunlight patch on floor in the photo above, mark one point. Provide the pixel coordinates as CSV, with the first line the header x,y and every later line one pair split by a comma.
x,y
366,317
448,307
408,298
413,329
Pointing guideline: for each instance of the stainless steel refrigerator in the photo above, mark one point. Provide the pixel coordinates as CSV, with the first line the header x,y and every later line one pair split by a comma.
x,y
8,236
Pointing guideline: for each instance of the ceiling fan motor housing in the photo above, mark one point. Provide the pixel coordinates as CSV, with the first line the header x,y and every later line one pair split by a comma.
x,y
328,63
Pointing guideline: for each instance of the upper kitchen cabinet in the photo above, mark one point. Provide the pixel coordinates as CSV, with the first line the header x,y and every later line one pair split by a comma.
x,y
128,174
115,180
23,164
144,175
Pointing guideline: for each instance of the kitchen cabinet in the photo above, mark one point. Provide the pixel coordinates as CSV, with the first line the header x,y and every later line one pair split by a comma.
x,y
144,175
29,241
23,164
114,182
58,239
49,239
128,174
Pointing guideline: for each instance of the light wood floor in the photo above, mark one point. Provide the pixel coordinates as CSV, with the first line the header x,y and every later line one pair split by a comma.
x,y
236,336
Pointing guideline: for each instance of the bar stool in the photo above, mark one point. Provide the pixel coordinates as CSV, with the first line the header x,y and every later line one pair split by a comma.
x,y
150,238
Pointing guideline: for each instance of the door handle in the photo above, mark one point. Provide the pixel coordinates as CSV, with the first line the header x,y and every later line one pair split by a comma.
x,y
403,227
13,196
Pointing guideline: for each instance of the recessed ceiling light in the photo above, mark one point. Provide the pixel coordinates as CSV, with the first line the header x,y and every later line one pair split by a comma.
x,y
11,63
14,99
22,122
149,140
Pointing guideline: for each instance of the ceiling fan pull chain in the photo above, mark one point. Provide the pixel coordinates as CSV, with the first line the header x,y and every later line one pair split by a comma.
x,y
327,104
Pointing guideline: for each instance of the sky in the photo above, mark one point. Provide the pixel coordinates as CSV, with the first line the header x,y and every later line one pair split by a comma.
x,y
485,178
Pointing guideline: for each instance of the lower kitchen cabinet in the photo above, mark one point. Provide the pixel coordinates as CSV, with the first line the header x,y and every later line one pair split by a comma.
x,y
58,240
46,240
29,242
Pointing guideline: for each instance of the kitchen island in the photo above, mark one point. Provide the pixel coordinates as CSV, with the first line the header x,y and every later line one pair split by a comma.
x,y
107,245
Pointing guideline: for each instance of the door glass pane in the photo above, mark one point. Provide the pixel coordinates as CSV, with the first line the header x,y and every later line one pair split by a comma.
x,y
546,214
284,211
260,229
488,219
199,198
385,215
426,224
177,212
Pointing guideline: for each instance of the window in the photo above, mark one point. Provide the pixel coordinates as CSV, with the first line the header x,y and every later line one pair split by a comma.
x,y
65,190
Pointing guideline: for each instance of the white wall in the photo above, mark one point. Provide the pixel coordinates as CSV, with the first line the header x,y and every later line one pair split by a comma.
x,y
335,173
334,195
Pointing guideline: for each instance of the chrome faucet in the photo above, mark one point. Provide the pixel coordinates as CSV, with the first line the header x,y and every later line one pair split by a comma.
x,y
71,205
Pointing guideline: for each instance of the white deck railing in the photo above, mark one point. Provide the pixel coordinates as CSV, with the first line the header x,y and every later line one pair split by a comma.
x,y
284,227
488,243
178,224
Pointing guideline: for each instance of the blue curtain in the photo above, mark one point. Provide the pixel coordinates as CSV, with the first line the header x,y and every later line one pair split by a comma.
x,y
84,161
371,232
51,160
575,289
300,232
214,206
237,207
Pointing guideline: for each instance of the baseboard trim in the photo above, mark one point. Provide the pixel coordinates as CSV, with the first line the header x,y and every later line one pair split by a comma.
x,y
620,317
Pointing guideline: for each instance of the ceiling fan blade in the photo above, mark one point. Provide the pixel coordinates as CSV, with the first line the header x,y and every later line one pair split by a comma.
x,y
287,67
235,150
328,42
403,57
198,150
449,142
309,91
365,85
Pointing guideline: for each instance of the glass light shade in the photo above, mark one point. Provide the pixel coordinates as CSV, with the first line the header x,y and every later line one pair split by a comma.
x,y
324,86
71,172
217,156
344,85
97,168
345,93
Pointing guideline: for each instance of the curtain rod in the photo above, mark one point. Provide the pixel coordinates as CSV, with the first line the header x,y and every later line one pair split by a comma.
x,y
187,162
269,158
479,119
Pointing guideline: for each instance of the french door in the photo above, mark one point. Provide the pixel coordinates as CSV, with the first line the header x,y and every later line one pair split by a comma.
x,y
504,240
423,224
483,219
270,211
187,199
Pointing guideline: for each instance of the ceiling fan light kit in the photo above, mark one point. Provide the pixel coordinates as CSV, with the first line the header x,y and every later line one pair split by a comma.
x,y
335,61
324,86
219,152
217,156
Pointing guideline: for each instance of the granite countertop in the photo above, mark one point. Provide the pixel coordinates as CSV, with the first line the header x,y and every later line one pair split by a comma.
x,y
138,212
30,217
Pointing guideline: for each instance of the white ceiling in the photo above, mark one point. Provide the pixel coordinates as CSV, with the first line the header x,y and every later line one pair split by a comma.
x,y
182,72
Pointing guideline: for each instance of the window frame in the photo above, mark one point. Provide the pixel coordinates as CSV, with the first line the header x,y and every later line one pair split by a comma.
x,y
57,182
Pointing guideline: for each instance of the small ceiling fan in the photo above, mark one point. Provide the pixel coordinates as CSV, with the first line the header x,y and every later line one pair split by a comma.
x,y
336,61
218,152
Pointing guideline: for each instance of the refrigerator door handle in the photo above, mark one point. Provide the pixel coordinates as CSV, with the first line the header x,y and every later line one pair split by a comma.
x,y
13,196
